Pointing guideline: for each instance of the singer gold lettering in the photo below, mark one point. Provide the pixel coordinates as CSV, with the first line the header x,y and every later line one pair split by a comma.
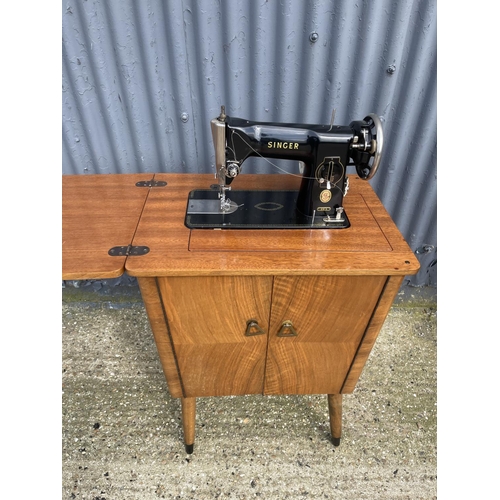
x,y
282,145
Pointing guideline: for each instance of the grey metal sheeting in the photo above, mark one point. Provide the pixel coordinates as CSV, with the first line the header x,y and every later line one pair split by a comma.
x,y
141,81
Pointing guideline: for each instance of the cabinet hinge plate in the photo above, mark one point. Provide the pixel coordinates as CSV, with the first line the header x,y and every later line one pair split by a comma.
x,y
151,183
127,250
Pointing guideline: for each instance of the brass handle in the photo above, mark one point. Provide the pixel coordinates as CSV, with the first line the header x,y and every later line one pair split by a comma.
x,y
287,329
253,328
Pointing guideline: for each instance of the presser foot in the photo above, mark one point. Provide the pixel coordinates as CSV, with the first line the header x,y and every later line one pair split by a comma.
x,y
211,207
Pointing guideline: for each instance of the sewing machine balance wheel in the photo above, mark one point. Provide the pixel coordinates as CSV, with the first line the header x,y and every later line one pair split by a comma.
x,y
363,167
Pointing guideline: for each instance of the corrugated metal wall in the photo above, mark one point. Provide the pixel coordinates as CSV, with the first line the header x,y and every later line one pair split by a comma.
x,y
142,79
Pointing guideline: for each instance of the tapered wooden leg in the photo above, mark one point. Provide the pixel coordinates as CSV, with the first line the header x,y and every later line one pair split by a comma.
x,y
188,422
335,410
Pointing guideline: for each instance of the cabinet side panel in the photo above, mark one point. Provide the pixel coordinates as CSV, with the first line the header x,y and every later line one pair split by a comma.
x,y
329,315
376,321
159,326
208,319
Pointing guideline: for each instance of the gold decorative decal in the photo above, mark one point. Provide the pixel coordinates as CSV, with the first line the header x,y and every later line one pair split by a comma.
x,y
282,145
325,196
269,206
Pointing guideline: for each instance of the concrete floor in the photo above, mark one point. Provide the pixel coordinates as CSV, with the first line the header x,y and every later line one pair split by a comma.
x,y
122,435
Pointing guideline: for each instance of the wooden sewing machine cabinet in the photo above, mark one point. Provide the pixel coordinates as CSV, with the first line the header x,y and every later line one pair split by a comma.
x,y
235,312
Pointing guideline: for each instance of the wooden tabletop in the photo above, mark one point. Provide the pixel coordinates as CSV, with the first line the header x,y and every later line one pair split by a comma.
x,y
371,246
108,210
98,213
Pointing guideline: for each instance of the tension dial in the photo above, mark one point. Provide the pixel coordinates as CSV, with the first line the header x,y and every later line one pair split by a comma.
x,y
329,172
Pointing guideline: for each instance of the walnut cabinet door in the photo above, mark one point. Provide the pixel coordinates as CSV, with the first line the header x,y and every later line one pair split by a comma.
x,y
316,326
218,327
236,335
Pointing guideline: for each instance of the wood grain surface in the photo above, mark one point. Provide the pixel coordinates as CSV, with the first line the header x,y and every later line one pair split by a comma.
x,y
102,211
98,213
159,325
372,245
335,412
208,320
188,406
330,315
206,351
327,291
371,333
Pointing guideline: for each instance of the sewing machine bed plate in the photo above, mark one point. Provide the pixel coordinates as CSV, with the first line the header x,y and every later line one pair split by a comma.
x,y
257,209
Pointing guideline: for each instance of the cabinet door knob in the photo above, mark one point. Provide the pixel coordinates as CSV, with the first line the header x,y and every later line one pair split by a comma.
x,y
253,328
287,329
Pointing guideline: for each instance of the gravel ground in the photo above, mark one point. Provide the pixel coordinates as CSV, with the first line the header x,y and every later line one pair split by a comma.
x,y
122,435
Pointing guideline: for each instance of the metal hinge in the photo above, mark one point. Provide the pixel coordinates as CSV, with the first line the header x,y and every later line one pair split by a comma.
x,y
151,183
127,250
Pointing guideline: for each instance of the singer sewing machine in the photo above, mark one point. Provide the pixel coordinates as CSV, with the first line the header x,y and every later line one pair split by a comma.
x,y
324,153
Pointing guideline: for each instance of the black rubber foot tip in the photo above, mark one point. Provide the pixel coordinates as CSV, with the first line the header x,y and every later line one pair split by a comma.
x,y
336,441
189,448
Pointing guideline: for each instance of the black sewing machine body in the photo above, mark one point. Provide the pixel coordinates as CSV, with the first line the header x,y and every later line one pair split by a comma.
x,y
324,152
